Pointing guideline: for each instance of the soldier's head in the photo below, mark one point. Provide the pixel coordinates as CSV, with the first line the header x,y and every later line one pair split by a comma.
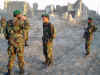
x,y
17,14
45,18
90,20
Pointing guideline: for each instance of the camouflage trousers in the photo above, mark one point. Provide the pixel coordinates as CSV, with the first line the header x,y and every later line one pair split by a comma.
x,y
88,43
13,52
48,51
26,35
1,32
87,46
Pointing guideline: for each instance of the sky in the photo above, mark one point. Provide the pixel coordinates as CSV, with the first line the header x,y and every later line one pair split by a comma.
x,y
92,4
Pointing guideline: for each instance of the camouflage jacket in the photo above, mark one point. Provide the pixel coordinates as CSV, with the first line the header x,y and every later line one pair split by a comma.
x,y
48,31
26,26
89,31
14,32
3,25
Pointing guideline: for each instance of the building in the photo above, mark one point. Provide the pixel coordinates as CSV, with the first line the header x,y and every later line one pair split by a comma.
x,y
35,9
50,9
15,5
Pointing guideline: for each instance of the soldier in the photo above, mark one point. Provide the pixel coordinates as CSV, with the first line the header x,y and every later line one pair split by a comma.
x,y
14,34
26,32
3,21
3,26
48,36
88,35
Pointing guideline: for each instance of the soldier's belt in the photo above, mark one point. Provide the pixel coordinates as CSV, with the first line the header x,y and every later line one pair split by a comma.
x,y
19,35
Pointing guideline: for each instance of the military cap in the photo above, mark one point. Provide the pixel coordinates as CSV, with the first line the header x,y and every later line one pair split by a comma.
x,y
45,15
16,12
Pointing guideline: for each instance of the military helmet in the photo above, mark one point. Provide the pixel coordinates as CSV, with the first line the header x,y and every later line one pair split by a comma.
x,y
45,15
16,12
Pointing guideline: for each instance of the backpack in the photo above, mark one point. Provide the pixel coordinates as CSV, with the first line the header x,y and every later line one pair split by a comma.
x,y
9,24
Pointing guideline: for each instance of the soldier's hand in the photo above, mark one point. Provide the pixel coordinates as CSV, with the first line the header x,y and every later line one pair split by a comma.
x,y
23,18
51,39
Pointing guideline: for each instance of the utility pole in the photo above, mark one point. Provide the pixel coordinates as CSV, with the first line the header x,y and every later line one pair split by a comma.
x,y
79,11
52,8
97,7
25,7
6,3
81,6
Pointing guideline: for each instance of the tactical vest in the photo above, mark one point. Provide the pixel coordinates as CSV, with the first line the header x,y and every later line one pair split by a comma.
x,y
12,30
89,30
47,33
9,28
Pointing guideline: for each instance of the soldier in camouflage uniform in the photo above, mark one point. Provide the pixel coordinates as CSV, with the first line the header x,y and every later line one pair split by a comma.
x,y
88,35
3,22
48,36
3,26
14,34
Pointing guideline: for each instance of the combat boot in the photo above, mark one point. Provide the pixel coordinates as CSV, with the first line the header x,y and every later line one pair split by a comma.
x,y
21,71
45,62
50,62
87,53
9,72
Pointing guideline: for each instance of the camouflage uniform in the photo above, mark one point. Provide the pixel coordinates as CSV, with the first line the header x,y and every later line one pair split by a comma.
x,y
88,35
26,31
14,35
3,22
3,26
48,36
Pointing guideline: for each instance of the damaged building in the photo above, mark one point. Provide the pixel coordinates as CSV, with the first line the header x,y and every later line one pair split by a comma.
x,y
76,11
15,5
73,12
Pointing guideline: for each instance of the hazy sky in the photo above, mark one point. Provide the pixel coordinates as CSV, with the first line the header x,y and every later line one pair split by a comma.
x,y
92,4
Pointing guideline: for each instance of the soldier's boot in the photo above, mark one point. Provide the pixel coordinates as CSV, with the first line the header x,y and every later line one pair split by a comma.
x,y
87,52
50,62
9,72
21,71
46,61
26,43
